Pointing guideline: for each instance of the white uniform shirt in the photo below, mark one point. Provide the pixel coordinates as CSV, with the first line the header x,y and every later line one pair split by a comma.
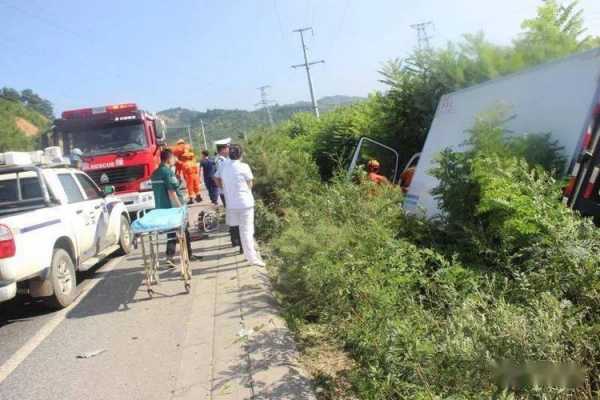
x,y
236,175
219,162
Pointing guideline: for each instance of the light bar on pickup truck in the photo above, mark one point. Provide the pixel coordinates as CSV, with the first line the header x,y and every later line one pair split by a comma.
x,y
89,112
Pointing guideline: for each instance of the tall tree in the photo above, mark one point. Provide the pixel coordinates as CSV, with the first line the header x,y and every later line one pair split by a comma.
x,y
557,31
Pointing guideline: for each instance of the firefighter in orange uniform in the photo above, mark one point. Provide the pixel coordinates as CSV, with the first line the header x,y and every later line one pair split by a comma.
x,y
373,173
191,175
178,150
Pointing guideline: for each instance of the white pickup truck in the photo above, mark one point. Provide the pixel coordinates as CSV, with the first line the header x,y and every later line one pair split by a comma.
x,y
53,222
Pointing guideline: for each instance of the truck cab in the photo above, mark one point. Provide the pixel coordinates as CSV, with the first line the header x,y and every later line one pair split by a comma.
x,y
120,146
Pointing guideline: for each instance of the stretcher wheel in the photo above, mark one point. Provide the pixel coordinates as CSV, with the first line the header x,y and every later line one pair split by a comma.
x,y
187,287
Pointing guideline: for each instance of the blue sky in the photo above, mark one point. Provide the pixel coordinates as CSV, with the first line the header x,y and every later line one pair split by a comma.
x,y
214,54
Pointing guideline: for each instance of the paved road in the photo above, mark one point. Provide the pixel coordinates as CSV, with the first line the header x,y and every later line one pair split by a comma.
x,y
175,345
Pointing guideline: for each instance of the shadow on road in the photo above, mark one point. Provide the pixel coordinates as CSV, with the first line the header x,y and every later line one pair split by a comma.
x,y
24,308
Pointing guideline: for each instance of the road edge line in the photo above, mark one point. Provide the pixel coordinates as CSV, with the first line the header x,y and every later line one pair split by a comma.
x,y
24,351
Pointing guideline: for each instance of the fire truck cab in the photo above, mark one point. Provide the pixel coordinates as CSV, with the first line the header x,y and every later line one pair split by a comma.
x,y
120,146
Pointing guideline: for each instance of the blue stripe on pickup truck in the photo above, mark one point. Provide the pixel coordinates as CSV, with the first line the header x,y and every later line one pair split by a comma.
x,y
39,226
111,205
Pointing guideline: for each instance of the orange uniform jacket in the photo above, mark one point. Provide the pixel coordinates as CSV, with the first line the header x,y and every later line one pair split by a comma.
x,y
192,177
378,179
178,151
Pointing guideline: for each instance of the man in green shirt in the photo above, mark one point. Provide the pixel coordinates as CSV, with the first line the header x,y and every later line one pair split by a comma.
x,y
168,193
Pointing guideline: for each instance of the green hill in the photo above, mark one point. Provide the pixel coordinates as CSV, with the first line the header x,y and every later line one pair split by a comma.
x,y
20,125
235,123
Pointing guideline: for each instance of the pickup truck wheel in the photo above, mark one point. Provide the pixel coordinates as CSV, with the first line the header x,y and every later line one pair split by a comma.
x,y
125,236
63,279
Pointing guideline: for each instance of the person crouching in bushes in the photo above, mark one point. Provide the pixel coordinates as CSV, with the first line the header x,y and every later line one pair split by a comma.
x,y
373,175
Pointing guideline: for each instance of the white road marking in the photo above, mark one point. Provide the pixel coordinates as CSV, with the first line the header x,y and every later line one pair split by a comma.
x,y
21,355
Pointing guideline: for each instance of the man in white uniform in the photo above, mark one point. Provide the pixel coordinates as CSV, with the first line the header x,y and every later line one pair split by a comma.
x,y
222,159
236,180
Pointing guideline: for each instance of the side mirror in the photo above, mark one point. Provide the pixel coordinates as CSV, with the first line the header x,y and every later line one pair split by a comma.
x,y
108,190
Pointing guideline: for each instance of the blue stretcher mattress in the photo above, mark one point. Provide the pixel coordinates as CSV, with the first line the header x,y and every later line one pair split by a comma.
x,y
160,220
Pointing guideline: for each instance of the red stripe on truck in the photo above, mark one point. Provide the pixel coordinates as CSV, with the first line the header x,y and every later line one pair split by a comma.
x,y
589,189
587,138
571,184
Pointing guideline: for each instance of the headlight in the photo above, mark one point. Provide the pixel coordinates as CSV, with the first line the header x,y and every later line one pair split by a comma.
x,y
146,185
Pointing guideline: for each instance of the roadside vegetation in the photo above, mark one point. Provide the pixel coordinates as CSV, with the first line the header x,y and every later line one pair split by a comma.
x,y
23,117
498,298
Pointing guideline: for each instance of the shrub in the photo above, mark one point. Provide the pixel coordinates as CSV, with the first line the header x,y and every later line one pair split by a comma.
x,y
281,164
448,308
338,135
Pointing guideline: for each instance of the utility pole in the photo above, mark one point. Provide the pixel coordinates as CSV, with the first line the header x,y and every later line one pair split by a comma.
x,y
203,134
265,102
189,132
307,65
422,35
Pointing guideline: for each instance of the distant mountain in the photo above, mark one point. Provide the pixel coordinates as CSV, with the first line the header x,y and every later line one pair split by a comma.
x,y
235,123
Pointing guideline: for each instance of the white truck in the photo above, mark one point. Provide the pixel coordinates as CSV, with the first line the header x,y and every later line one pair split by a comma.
x,y
54,221
560,98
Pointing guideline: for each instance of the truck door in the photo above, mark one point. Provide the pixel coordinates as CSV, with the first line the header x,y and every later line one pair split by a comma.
x,y
369,149
98,211
80,214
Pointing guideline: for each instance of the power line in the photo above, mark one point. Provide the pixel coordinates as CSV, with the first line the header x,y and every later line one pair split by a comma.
x,y
307,64
278,20
422,35
340,27
265,103
312,13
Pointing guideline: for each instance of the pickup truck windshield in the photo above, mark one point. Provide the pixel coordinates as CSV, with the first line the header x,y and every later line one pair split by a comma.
x,y
110,138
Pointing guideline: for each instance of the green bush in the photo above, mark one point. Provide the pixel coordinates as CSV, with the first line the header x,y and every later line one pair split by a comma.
x,y
449,308
281,163
338,134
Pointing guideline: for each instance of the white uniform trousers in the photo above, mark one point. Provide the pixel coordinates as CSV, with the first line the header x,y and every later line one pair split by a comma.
x,y
244,218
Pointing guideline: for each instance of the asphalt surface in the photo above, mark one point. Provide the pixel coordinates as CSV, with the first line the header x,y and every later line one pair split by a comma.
x,y
223,340
138,339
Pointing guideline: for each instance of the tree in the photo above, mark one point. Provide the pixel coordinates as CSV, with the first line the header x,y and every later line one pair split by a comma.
x,y
10,94
32,100
556,31
416,83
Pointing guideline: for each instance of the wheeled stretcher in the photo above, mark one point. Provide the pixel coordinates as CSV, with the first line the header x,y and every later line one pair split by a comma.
x,y
152,228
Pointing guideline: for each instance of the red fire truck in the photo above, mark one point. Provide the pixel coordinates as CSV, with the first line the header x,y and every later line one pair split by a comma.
x,y
120,146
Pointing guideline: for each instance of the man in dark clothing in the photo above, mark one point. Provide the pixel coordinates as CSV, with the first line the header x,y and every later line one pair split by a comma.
x,y
168,193
209,169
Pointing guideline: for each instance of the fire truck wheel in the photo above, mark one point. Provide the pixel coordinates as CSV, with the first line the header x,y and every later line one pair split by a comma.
x,y
63,280
125,236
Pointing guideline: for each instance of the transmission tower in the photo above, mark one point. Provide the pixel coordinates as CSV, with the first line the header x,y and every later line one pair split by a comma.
x,y
422,35
266,103
307,65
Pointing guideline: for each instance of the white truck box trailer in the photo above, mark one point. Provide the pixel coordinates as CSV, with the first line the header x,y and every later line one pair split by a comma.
x,y
557,98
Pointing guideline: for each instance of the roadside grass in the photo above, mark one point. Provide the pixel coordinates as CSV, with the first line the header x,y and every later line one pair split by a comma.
x,y
321,355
